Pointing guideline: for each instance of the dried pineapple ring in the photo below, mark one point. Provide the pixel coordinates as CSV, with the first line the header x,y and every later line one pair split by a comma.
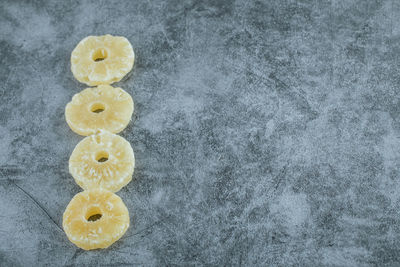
x,y
103,160
95,219
102,107
102,59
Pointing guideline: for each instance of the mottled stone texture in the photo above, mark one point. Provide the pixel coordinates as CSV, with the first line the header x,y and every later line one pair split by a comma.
x,y
266,133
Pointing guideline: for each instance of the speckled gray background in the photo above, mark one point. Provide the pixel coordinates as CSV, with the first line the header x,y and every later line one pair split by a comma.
x,y
266,133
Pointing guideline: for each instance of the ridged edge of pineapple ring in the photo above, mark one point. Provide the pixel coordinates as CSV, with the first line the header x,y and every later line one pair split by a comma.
x,y
82,180
84,242
90,131
85,78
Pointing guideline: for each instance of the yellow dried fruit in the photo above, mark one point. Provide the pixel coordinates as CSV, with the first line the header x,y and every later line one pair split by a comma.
x,y
102,160
95,219
102,107
102,59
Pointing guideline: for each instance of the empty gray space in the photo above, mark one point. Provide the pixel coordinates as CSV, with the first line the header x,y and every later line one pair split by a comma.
x,y
266,133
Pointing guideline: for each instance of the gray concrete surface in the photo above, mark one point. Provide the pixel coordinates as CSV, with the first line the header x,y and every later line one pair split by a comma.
x,y
266,133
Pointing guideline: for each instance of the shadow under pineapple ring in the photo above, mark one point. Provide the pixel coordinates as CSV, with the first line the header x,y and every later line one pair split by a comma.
x,y
103,160
95,219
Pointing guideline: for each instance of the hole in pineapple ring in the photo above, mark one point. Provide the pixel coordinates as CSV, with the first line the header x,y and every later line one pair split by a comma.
x,y
93,214
97,108
99,54
102,156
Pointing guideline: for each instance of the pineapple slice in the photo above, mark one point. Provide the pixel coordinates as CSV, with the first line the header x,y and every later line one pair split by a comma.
x,y
95,219
102,59
102,107
103,160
